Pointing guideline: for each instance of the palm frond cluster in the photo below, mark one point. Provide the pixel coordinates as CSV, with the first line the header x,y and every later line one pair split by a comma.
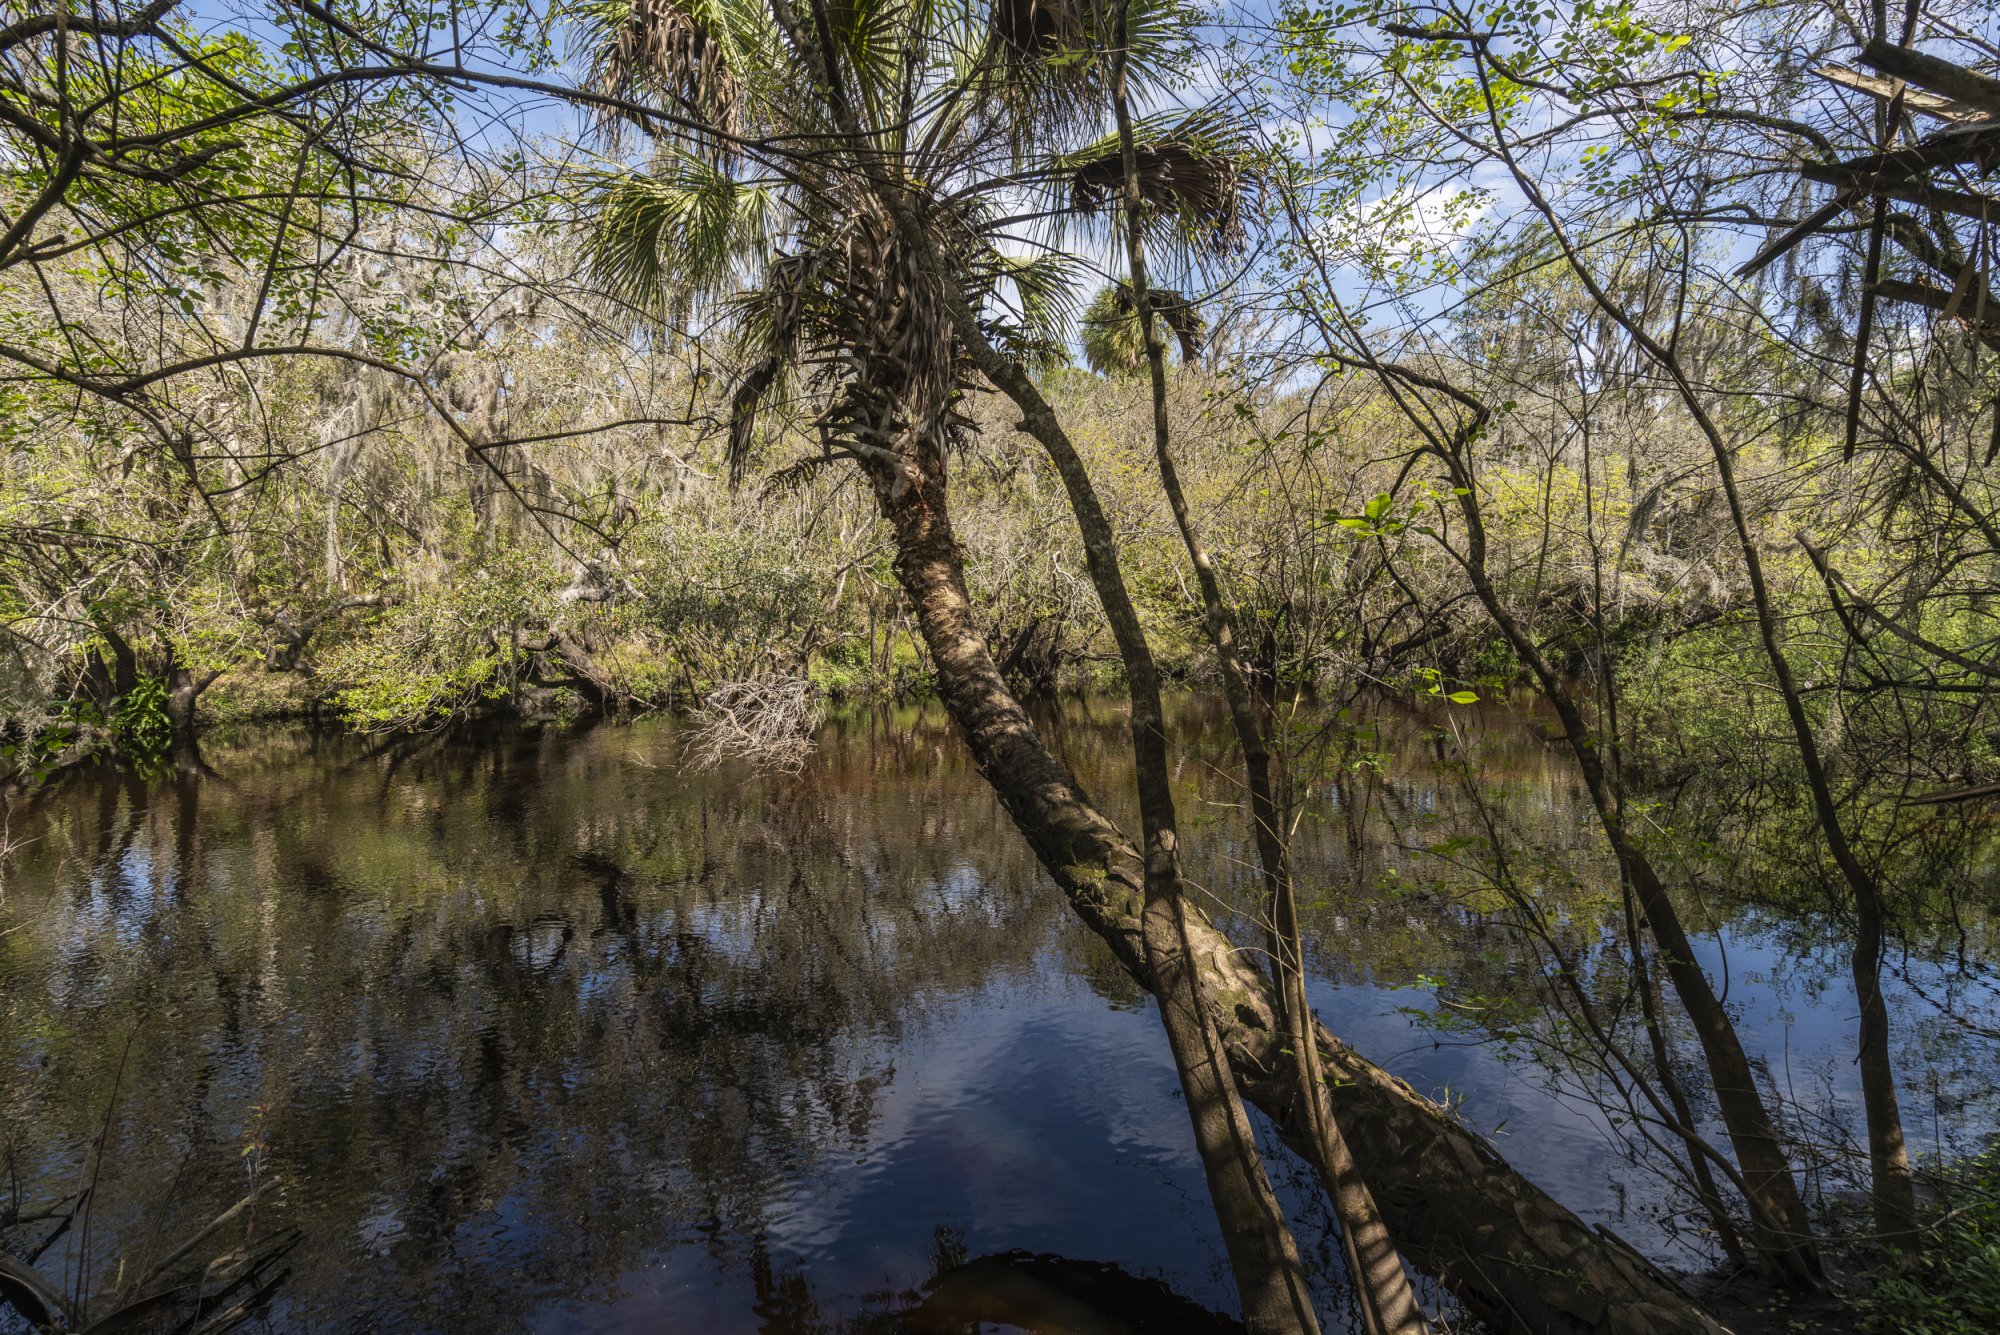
x,y
857,320
991,118
1037,28
669,50
1191,179
1114,338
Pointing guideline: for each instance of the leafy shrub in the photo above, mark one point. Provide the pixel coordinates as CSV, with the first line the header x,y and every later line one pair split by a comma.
x,y
1955,1289
140,720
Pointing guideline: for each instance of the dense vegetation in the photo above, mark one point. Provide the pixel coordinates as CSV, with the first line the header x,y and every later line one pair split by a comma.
x,y
395,364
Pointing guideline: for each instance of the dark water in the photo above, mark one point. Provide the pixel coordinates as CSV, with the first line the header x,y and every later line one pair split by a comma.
x,y
542,1033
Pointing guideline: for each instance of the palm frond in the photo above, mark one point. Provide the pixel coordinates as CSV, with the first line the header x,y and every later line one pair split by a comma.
x,y
1036,71
772,318
1192,177
1038,29
746,397
674,233
677,50
1158,46
1044,63
798,474
1114,340
872,41
1045,297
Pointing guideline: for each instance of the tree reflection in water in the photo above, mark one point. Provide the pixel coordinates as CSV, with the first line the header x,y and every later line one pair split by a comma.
x,y
542,1032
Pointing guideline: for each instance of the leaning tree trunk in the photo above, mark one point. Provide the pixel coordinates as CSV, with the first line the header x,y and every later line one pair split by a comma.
x,y
1510,1253
1269,1276
1382,1290
1514,1256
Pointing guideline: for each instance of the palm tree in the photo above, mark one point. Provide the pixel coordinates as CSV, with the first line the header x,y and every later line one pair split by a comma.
x,y
961,121
1113,339
876,197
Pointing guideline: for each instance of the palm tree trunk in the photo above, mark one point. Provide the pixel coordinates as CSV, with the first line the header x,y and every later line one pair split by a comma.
x,y
1269,1277
1516,1258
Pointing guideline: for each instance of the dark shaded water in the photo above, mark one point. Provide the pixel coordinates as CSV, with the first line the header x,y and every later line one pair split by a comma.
x,y
543,1033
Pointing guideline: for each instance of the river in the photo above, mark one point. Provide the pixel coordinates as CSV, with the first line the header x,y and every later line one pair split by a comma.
x,y
543,1031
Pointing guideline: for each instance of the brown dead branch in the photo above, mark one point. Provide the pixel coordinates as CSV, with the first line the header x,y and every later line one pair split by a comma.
x,y
767,722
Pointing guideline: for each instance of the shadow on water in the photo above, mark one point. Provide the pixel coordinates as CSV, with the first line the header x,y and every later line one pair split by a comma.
x,y
1016,1290
542,1032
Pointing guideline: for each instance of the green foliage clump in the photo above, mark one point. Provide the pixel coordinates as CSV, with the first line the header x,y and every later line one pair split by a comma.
x,y
139,720
433,657
1955,1288
841,668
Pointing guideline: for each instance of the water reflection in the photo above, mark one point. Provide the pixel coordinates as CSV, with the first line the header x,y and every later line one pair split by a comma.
x,y
542,1032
